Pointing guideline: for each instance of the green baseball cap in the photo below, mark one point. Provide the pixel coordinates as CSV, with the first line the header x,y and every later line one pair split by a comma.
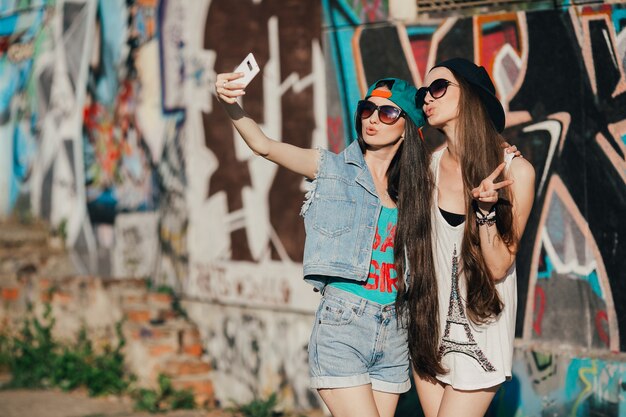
x,y
402,95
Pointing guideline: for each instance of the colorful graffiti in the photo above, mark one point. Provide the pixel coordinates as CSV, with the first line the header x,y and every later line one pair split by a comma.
x,y
20,33
109,131
43,76
560,75
122,148
89,139
248,206
548,383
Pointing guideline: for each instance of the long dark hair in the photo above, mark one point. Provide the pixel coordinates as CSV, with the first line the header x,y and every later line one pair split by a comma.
x,y
480,150
417,303
410,185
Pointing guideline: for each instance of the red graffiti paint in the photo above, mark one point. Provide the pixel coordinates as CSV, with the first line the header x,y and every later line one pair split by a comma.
x,y
602,320
540,305
421,49
372,9
335,138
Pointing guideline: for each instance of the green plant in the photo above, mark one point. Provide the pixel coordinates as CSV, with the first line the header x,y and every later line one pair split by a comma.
x,y
34,353
37,360
5,352
106,373
166,289
257,408
165,398
62,229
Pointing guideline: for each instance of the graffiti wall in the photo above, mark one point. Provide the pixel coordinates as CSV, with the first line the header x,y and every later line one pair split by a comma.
x,y
110,132
560,75
44,59
552,383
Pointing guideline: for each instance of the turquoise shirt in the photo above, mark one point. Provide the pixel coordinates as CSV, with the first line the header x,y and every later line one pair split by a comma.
x,y
382,282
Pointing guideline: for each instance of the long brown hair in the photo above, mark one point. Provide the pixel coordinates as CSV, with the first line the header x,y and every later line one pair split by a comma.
x,y
419,299
410,184
480,150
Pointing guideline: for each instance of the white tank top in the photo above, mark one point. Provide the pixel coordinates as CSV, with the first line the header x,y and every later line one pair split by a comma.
x,y
477,356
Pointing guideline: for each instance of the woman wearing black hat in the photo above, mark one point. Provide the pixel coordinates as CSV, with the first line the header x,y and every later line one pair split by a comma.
x,y
462,324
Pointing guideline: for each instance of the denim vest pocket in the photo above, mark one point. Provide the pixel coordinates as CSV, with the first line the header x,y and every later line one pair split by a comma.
x,y
334,215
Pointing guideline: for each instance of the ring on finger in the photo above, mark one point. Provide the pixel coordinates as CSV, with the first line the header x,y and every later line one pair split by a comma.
x,y
224,84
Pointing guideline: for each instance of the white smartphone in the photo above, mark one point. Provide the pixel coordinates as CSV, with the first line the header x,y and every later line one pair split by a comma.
x,y
249,68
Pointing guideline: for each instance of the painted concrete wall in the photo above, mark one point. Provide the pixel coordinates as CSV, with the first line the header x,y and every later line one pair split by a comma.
x,y
560,76
109,131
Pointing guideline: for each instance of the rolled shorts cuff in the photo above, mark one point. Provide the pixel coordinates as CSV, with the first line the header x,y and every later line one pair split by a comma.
x,y
322,382
391,387
328,382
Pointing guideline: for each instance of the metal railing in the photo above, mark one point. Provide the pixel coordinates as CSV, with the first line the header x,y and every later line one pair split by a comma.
x,y
436,6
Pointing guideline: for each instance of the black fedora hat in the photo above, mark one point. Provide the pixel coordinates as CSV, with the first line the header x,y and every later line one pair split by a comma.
x,y
478,78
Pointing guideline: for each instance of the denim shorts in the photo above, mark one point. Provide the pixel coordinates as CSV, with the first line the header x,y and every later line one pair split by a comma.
x,y
357,342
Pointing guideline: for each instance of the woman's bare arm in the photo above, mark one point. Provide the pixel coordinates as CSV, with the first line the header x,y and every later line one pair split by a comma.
x,y
497,255
299,160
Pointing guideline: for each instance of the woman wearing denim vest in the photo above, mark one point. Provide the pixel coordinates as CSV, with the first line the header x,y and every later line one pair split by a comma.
x,y
462,324
358,351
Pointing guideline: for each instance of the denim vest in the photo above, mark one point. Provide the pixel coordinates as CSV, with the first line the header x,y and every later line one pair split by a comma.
x,y
340,214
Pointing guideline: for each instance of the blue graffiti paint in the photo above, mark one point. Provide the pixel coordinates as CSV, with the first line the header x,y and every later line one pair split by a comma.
x,y
114,34
420,30
549,268
592,278
22,28
340,19
619,19
594,283
340,14
490,26
17,6
8,25
583,387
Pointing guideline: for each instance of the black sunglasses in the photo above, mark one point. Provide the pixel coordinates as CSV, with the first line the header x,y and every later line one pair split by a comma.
x,y
386,114
437,89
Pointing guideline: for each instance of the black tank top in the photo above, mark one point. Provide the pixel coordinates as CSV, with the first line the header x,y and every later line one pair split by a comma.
x,y
453,219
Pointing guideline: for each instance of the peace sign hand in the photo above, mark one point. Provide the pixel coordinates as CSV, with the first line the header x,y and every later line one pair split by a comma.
x,y
486,194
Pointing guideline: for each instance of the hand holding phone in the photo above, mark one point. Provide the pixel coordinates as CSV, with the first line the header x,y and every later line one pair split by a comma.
x,y
249,68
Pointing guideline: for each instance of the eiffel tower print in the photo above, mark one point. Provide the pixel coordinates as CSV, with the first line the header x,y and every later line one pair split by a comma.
x,y
456,315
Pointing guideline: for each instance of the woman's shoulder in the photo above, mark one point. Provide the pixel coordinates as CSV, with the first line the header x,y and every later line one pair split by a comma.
x,y
521,168
521,171
333,163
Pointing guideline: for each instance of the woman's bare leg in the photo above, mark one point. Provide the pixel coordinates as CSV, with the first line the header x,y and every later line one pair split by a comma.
x,y
386,403
466,403
430,394
359,401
